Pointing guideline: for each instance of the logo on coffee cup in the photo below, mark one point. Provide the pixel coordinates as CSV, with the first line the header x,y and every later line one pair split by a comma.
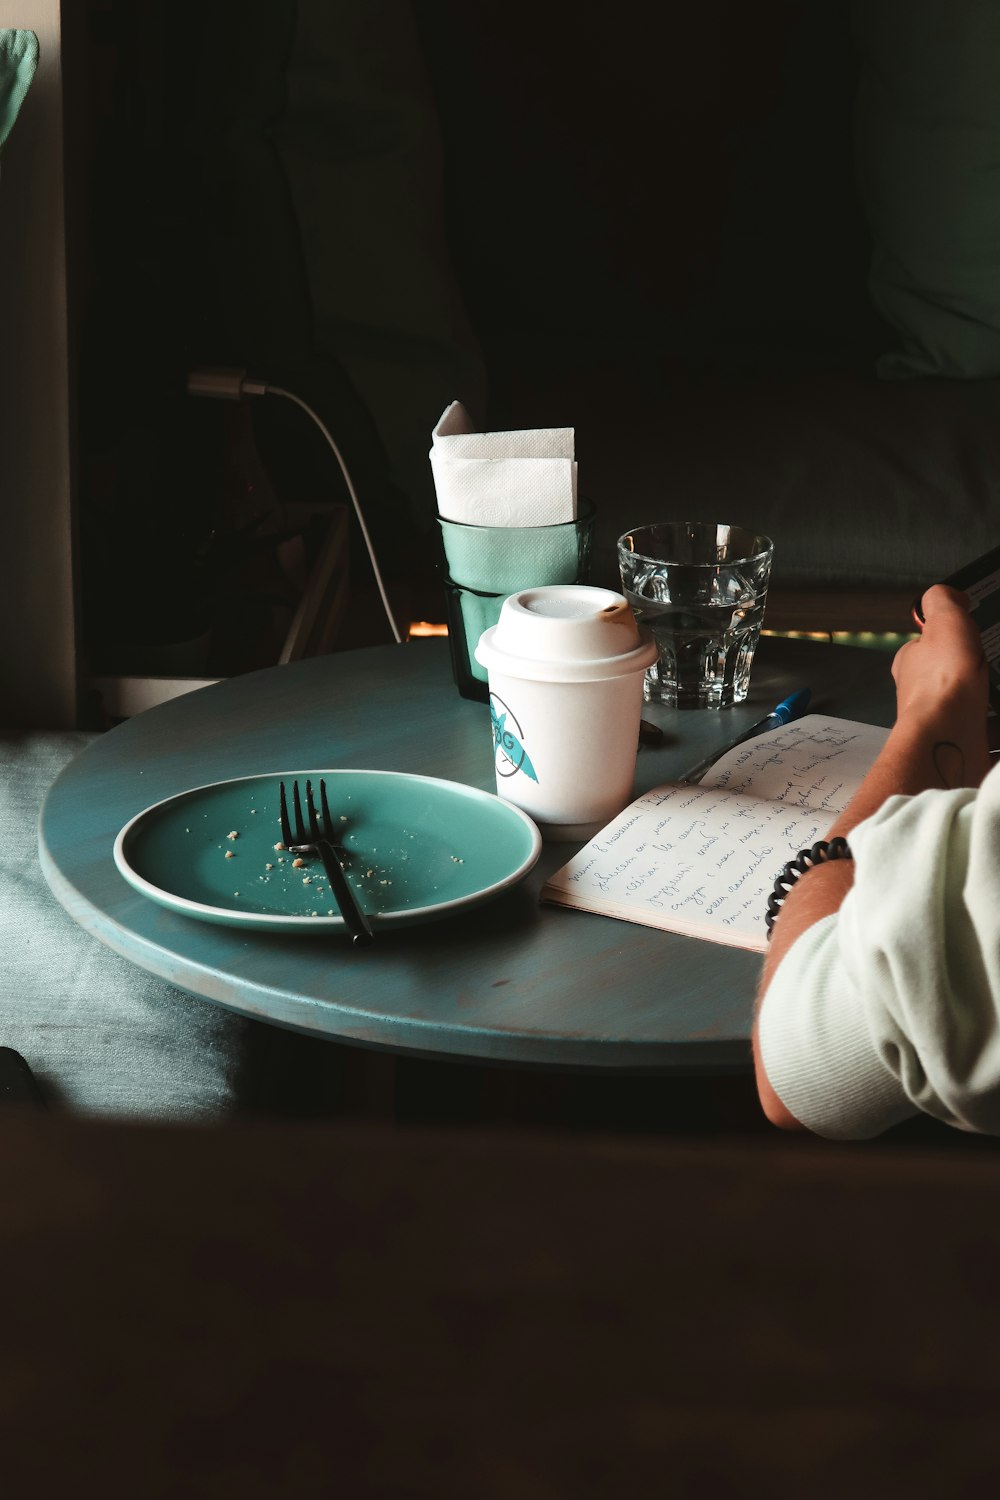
x,y
508,751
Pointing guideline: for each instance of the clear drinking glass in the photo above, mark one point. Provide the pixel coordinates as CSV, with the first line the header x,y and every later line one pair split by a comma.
x,y
700,587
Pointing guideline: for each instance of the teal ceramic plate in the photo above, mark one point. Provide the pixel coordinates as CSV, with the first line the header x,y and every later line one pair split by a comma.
x,y
417,849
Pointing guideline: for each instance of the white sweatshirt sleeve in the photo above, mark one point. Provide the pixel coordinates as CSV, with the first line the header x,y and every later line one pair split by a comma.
x,y
892,1006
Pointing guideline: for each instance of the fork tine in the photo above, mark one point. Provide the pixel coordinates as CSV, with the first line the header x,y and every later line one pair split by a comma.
x,y
300,823
286,832
327,820
314,831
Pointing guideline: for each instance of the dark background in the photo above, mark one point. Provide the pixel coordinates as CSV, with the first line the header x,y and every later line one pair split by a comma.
x,y
544,210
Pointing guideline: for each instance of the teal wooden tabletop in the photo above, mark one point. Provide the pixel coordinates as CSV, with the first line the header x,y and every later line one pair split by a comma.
x,y
511,980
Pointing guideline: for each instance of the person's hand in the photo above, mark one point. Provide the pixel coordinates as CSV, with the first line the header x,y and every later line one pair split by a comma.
x,y
942,679
945,666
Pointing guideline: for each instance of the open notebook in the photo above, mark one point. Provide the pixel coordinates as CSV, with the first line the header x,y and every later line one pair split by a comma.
x,y
702,859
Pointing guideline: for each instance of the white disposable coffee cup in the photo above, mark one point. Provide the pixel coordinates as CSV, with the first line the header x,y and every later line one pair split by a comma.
x,y
565,666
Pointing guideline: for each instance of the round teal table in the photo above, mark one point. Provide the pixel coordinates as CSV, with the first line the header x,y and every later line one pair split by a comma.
x,y
510,981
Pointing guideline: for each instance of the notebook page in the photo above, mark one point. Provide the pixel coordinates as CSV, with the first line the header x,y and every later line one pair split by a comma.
x,y
702,859
816,762
689,859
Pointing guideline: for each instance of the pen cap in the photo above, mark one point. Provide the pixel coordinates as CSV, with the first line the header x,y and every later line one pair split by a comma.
x,y
791,707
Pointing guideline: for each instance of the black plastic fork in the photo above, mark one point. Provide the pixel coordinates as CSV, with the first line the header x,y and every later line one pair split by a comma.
x,y
311,838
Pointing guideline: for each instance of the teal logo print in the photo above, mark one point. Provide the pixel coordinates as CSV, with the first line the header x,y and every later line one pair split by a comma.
x,y
508,751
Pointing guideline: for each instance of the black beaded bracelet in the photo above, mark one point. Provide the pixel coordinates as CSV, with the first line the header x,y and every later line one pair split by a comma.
x,y
819,854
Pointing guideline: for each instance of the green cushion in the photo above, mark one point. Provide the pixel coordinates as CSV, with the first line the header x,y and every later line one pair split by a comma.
x,y
928,133
18,61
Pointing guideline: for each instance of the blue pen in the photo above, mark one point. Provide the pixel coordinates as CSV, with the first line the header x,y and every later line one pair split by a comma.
x,y
792,707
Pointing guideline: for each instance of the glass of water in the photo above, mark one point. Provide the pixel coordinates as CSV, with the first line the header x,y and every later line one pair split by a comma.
x,y
700,587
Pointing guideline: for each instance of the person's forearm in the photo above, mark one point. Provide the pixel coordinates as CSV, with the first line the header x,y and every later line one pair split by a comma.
x,y
922,752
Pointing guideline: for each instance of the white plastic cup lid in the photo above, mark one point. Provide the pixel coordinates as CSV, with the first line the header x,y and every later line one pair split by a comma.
x,y
566,633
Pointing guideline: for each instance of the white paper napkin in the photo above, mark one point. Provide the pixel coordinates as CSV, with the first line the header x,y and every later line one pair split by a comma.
x,y
503,478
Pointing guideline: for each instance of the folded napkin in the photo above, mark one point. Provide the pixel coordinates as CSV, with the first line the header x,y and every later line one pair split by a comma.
x,y
503,478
